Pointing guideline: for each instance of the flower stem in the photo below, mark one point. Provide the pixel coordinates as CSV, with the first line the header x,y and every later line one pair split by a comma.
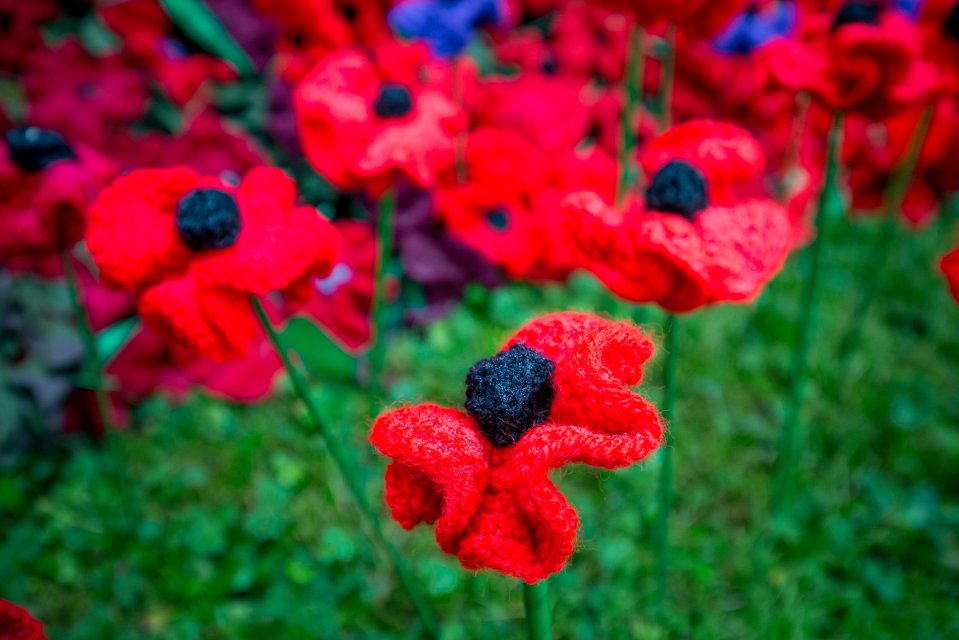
x,y
536,600
92,374
350,470
893,199
384,237
666,80
632,90
665,484
829,208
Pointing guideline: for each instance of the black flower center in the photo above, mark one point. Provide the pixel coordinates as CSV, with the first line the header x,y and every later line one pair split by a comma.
x,y
393,101
34,149
498,218
208,219
510,393
853,12
678,187
951,26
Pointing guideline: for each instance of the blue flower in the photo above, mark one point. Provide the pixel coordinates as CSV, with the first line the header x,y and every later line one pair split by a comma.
x,y
753,28
447,25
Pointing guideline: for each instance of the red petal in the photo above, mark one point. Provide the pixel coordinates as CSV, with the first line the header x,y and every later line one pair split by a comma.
x,y
444,446
131,230
216,322
950,267
16,623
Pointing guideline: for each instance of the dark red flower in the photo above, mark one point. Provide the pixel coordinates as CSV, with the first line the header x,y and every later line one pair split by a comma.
x,y
155,43
692,241
16,623
701,18
367,120
20,30
950,268
47,186
939,24
196,248
558,393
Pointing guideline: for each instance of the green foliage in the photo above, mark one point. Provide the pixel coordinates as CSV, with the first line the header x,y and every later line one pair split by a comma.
x,y
221,522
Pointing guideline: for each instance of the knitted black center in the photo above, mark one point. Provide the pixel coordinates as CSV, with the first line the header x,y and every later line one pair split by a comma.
x,y
34,149
498,218
678,187
510,393
208,219
951,26
393,101
861,12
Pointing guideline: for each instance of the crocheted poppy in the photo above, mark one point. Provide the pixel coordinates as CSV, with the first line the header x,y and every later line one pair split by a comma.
x,y
698,18
448,26
367,120
47,186
195,248
557,393
950,268
16,623
20,30
692,241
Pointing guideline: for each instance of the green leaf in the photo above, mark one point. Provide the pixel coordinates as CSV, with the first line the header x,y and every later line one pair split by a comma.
x,y
95,36
196,20
322,357
114,337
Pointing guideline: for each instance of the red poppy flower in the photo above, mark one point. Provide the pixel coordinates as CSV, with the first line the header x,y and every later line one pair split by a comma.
x,y
20,30
89,99
692,241
558,393
700,18
867,61
939,24
367,120
195,248
47,186
16,623
154,42
950,268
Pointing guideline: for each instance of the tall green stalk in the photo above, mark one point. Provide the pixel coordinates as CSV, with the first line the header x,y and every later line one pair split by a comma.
x,y
377,357
538,620
664,490
829,208
893,199
92,370
632,93
350,470
666,80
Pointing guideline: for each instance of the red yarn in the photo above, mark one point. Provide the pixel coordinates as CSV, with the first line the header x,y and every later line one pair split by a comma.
x,y
950,267
496,508
726,253
16,623
202,298
700,18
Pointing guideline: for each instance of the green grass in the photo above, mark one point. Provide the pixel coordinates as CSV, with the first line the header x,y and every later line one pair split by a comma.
x,y
219,522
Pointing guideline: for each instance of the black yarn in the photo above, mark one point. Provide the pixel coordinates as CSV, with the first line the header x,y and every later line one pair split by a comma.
x,y
510,393
34,149
678,187
208,219
498,218
853,12
951,25
393,101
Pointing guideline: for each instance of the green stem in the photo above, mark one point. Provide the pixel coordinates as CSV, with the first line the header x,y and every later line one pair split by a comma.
x,y
829,208
536,600
665,485
666,80
384,236
632,90
350,470
893,199
92,374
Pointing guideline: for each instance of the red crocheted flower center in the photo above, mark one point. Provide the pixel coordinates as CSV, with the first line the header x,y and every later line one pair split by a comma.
x,y
393,101
208,219
678,187
34,149
856,12
510,393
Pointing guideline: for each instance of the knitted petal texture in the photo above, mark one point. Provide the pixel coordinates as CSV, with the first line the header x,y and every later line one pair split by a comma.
x,y
494,506
16,623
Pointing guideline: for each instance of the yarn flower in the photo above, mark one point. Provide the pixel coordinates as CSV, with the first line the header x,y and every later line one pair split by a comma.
x,y
692,241
47,186
698,18
16,623
557,393
366,120
447,26
950,268
195,248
